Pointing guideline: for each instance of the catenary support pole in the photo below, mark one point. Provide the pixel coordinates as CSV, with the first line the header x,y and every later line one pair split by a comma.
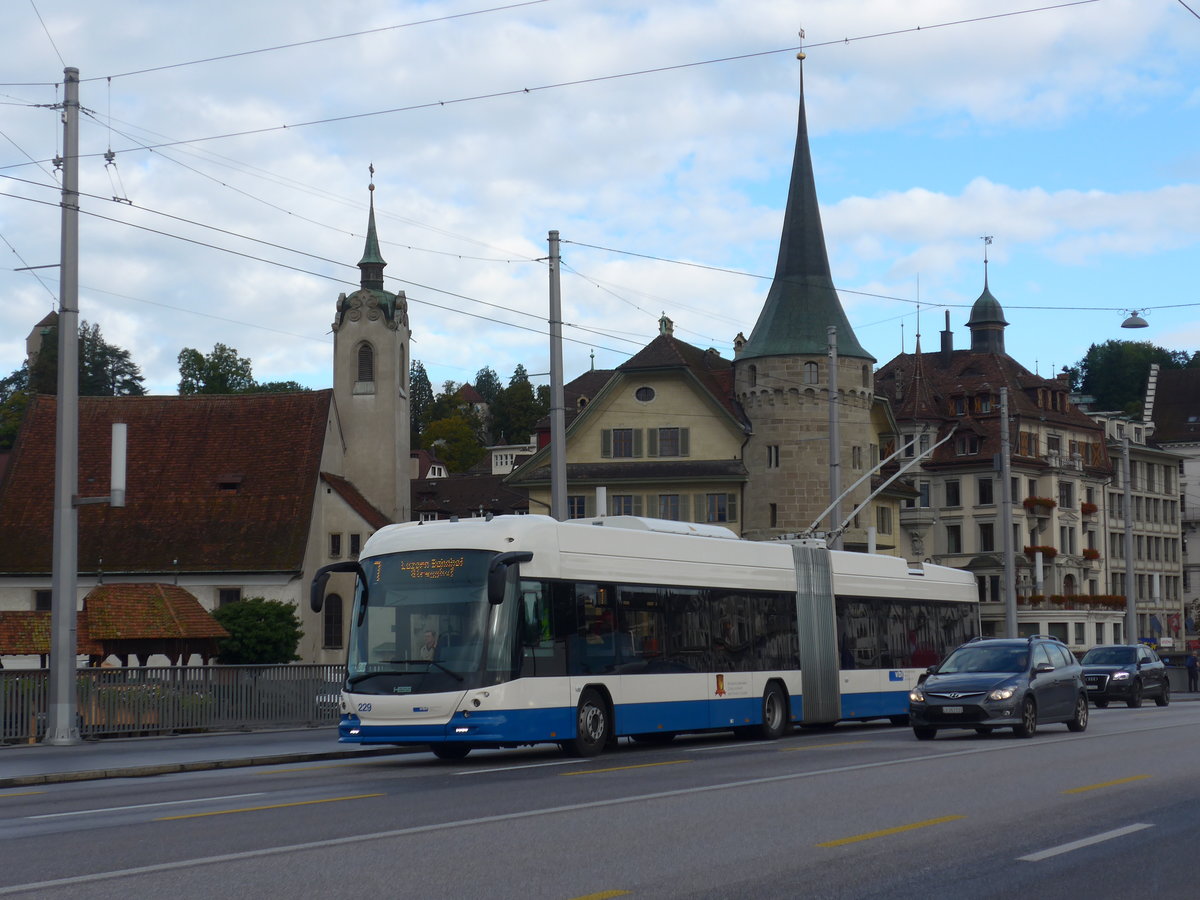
x,y
1131,631
1006,521
558,440
61,727
835,443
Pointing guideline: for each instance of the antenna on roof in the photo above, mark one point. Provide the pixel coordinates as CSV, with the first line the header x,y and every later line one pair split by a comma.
x,y
987,240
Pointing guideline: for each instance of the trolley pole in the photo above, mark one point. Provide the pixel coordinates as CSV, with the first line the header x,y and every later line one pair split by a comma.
x,y
61,728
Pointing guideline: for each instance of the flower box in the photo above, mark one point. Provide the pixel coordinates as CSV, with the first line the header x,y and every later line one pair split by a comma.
x,y
1047,552
1091,553
1088,509
1039,505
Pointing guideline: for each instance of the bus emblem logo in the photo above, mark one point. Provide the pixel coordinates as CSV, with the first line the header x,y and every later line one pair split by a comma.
x,y
720,685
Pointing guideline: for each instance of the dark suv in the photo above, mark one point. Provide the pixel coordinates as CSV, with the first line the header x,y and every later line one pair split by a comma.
x,y
1126,672
989,684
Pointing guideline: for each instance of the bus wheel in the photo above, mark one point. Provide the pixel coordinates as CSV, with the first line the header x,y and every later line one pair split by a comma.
x,y
592,725
450,751
774,713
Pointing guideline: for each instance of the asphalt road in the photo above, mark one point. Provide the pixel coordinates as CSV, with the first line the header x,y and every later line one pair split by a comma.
x,y
850,812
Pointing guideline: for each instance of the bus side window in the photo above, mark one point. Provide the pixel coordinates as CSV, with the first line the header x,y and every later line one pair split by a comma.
x,y
543,651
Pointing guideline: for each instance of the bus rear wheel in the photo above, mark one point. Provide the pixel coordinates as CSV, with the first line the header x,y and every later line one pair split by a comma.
x,y
450,751
774,713
593,726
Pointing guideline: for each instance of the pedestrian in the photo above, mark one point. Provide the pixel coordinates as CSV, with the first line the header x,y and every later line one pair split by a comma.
x,y
1191,670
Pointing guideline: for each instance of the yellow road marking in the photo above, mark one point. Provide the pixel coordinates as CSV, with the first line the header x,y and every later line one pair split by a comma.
x,y
1096,787
673,762
225,812
820,746
602,895
887,831
21,794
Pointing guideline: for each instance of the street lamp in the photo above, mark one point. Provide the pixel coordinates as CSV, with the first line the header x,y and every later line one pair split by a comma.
x,y
1135,320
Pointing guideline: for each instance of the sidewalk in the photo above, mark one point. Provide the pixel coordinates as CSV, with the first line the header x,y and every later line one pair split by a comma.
x,y
32,764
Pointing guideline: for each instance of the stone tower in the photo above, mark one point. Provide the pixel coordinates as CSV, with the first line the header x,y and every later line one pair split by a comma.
x,y
370,383
781,378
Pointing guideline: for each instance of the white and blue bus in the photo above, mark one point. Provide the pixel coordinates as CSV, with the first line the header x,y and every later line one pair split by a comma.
x,y
519,630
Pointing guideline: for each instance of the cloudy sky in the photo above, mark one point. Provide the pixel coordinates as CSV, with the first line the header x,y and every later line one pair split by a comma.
x,y
656,138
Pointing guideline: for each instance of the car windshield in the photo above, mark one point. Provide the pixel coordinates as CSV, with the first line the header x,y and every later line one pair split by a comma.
x,y
986,659
1109,656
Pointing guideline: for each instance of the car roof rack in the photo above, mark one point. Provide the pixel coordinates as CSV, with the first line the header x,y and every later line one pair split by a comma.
x,y
1044,637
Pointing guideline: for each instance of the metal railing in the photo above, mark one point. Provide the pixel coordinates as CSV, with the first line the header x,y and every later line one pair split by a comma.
x,y
170,699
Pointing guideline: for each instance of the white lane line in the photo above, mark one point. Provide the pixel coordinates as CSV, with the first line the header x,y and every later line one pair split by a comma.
x,y
88,812
560,762
1084,842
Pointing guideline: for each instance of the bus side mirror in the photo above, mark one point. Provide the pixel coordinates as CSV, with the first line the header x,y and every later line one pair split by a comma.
x,y
497,578
316,595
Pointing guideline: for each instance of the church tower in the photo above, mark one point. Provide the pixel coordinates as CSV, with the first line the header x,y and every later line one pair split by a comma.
x,y
370,383
782,379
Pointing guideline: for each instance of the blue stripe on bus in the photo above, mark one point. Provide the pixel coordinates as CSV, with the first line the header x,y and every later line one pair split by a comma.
x,y
875,704
558,724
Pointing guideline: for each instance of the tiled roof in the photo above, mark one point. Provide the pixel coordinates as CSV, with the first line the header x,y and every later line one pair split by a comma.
x,y
1177,406
23,633
141,611
584,388
214,483
113,613
466,495
713,371
962,373
660,471
356,501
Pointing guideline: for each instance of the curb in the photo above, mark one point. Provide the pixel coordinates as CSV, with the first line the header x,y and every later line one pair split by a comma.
x,y
197,766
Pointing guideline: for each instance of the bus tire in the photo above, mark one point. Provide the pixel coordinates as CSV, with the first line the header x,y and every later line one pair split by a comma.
x,y
593,725
450,751
774,713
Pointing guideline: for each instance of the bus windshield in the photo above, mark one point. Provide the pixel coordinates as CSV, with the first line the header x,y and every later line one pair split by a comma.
x,y
427,623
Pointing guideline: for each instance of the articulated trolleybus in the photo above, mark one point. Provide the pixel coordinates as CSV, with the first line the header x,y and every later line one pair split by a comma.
x,y
520,630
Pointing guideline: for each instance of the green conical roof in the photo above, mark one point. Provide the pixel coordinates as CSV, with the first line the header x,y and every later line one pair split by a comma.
x,y
372,262
802,301
987,309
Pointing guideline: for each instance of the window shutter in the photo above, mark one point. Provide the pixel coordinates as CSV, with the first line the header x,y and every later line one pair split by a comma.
x,y
652,442
731,501
589,506
683,441
637,504
701,512
606,443
637,442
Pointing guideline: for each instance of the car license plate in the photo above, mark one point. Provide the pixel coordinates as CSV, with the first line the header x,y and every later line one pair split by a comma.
x,y
1093,687
952,709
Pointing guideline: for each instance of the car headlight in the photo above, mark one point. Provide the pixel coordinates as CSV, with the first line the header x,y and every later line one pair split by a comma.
x,y
916,696
1120,676
1004,693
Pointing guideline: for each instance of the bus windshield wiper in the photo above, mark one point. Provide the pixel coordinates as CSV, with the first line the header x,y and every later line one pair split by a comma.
x,y
429,662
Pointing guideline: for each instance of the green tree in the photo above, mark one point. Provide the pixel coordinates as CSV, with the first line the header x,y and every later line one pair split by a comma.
x,y
1114,373
420,402
517,409
219,372
14,397
453,441
261,632
487,382
278,387
105,370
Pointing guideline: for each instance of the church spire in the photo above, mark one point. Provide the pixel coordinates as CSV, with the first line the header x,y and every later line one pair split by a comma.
x,y
802,301
371,265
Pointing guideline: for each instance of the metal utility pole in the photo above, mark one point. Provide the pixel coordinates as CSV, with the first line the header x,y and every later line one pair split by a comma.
x,y
558,440
835,443
1131,631
61,728
1006,521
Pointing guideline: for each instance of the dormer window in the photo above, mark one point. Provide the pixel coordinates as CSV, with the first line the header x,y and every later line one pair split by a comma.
x,y
229,483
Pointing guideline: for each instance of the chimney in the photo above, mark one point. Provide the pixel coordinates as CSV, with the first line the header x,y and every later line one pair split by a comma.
x,y
947,342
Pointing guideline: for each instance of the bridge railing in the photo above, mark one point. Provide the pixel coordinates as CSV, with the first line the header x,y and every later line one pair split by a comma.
x,y
170,699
